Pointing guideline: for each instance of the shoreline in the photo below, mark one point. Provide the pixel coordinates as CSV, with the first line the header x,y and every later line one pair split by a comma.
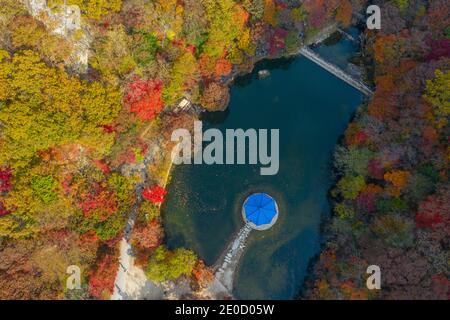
x,y
316,39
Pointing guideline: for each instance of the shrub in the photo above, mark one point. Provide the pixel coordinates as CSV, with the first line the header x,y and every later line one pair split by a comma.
x,y
166,265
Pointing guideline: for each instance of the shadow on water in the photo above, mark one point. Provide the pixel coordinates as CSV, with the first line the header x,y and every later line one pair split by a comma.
x,y
267,64
242,81
215,118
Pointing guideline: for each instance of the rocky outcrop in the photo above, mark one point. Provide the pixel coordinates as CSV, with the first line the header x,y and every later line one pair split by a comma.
x,y
65,21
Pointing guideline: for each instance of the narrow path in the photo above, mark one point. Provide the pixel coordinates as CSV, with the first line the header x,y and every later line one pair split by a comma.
x,y
131,281
227,263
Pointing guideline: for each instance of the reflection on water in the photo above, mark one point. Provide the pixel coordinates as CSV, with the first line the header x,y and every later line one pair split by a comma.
x,y
203,209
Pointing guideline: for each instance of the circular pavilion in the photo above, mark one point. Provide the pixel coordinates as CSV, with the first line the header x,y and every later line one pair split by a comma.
x,y
260,211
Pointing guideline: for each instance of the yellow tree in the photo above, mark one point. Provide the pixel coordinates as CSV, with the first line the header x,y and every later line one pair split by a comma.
x,y
56,109
438,95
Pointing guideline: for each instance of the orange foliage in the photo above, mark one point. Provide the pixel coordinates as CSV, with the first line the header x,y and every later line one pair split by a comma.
x,y
144,97
344,13
206,65
373,189
102,166
383,105
397,178
328,258
89,237
383,48
270,12
323,289
223,68
202,274
430,134
148,236
351,292
101,280
241,16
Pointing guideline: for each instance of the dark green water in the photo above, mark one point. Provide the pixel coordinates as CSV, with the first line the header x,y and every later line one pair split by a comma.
x,y
312,109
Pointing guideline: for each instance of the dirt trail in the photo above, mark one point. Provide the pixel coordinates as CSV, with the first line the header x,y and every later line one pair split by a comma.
x,y
131,282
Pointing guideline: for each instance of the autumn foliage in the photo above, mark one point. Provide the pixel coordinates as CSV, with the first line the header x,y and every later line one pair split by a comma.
x,y
147,236
5,180
68,141
3,210
155,194
392,202
433,212
223,68
102,278
144,97
202,274
99,201
397,178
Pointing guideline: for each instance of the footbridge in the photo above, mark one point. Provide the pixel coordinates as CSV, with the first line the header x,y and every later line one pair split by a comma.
x,y
347,35
338,72
226,265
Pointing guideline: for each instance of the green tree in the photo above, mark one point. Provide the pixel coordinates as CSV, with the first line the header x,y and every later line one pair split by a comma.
x,y
350,186
148,211
122,187
45,188
226,24
184,77
165,265
344,212
401,4
353,160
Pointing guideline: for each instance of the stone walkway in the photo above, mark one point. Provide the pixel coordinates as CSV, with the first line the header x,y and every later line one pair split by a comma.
x,y
226,265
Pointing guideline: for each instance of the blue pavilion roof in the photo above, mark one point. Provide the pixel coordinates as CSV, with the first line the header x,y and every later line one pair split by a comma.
x,y
260,209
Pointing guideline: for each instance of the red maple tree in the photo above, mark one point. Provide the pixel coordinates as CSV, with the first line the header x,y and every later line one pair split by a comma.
x,y
101,280
144,97
98,200
5,180
155,194
277,41
431,213
100,164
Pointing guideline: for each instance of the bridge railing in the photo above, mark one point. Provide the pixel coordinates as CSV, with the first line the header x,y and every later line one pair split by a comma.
x,y
358,84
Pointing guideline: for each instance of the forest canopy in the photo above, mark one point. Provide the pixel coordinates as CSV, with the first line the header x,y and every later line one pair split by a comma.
x,y
87,108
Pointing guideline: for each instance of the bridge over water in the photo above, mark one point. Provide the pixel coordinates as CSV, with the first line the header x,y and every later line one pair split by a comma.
x,y
338,72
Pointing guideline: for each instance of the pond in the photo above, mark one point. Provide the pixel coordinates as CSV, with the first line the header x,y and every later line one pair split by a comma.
x,y
311,108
